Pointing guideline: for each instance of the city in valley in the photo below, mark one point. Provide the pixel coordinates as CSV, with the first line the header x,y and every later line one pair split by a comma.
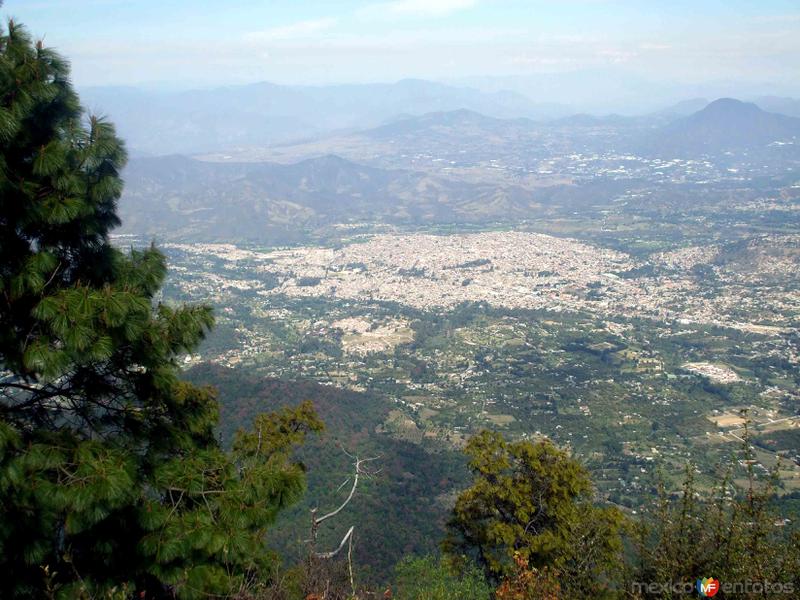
x,y
626,359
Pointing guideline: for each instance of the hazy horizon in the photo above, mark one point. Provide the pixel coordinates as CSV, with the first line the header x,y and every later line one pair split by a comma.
x,y
612,53
620,94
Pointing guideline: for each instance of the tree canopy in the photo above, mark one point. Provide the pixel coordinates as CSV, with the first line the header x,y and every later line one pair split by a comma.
x,y
530,502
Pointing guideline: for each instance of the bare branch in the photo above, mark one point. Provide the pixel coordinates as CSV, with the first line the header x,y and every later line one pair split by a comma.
x,y
345,503
358,472
350,563
339,549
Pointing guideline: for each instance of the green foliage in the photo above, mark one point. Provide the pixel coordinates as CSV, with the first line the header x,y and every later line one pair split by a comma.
x,y
732,536
111,475
531,501
432,578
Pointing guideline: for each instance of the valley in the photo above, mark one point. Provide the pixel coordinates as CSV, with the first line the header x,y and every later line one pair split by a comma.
x,y
634,362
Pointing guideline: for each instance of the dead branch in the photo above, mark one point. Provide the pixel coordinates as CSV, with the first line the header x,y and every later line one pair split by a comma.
x,y
359,472
346,537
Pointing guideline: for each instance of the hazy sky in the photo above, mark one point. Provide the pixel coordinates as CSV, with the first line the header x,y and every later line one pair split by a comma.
x,y
313,41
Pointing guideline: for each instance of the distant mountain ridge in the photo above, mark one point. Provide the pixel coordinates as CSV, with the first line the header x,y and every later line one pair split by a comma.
x,y
261,114
725,124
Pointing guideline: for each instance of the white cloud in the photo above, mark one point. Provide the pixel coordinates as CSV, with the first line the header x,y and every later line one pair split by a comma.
x,y
790,18
419,8
655,47
616,55
299,30
541,61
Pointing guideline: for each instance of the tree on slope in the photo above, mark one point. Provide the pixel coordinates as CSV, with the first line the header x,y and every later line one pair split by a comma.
x,y
530,503
111,476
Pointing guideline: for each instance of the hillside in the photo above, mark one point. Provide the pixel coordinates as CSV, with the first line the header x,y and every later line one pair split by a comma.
x,y
725,124
399,511
178,198
452,125
777,104
684,108
587,120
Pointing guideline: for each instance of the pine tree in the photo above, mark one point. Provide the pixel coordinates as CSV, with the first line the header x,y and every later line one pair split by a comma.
x,y
111,476
734,535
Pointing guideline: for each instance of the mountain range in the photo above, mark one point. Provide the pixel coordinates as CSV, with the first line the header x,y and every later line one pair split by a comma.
x,y
261,114
265,114
440,167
